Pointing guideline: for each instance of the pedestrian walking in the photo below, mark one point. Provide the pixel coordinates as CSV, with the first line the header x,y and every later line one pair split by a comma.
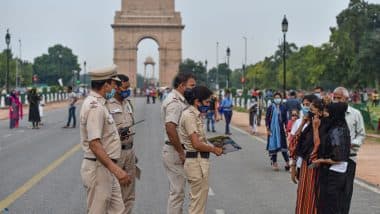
x,y
34,113
100,141
147,94
356,127
41,107
253,110
121,111
15,110
292,103
153,95
261,106
72,100
212,114
173,154
276,121
227,110
192,135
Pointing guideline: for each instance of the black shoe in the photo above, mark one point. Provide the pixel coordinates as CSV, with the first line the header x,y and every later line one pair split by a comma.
x,y
287,168
213,130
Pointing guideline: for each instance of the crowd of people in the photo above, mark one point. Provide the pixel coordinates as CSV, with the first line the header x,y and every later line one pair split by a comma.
x,y
36,108
322,134
318,135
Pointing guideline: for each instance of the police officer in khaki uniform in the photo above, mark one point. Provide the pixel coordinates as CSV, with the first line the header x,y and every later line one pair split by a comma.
x,y
121,111
101,144
173,153
192,135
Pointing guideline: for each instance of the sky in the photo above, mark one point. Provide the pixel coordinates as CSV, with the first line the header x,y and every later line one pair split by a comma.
x,y
85,27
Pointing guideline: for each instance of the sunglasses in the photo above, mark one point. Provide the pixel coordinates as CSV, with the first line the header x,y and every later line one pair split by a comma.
x,y
294,115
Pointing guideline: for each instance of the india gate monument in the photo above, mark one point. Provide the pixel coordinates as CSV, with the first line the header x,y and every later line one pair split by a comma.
x,y
153,19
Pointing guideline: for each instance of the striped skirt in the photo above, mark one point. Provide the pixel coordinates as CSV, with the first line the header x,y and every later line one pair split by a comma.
x,y
307,192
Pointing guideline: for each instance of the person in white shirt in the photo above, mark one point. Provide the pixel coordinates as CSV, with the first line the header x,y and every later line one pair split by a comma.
x,y
73,99
356,126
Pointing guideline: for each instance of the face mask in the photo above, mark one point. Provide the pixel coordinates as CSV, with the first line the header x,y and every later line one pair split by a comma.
x,y
109,95
277,100
318,95
305,110
311,114
188,94
203,108
125,94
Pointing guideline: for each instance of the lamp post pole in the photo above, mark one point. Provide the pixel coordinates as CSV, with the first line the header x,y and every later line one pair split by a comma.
x,y
228,66
217,66
245,60
19,66
206,72
7,41
284,30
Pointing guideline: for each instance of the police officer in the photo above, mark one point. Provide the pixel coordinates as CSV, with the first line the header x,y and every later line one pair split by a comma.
x,y
121,111
173,153
193,137
101,144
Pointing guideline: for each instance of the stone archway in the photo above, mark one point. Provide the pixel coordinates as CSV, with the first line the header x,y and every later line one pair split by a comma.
x,y
153,19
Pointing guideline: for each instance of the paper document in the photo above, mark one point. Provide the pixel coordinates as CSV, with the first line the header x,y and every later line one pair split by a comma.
x,y
225,142
138,172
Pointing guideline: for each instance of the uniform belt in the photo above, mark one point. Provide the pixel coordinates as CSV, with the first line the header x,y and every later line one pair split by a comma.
x,y
205,155
170,144
94,159
126,146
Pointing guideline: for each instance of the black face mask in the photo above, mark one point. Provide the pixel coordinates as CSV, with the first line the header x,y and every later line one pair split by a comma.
x,y
311,114
189,95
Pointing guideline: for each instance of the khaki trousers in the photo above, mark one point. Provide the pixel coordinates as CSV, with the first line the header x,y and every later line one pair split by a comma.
x,y
103,189
176,176
127,162
197,172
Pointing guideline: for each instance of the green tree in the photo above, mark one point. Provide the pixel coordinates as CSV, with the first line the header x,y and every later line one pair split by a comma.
x,y
59,62
24,71
197,68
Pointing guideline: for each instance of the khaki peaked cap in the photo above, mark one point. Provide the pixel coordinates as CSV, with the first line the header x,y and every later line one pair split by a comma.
x,y
104,74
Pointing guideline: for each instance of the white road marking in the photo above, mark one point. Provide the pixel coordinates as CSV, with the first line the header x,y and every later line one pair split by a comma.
x,y
218,211
244,132
211,192
356,181
366,186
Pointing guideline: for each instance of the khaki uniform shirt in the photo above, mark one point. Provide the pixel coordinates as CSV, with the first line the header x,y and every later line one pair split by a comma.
x,y
97,123
120,114
172,108
191,122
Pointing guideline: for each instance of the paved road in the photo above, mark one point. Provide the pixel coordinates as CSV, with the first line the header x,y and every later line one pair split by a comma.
x,y
241,182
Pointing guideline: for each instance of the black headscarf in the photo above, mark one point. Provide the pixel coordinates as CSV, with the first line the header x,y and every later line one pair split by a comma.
x,y
337,112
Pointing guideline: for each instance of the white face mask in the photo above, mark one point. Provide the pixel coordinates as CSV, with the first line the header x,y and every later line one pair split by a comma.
x,y
277,100
318,95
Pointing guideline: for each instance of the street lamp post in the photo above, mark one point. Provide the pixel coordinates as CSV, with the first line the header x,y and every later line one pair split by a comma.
x,y
18,66
245,60
206,72
8,41
217,66
284,30
228,51
60,64
84,72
